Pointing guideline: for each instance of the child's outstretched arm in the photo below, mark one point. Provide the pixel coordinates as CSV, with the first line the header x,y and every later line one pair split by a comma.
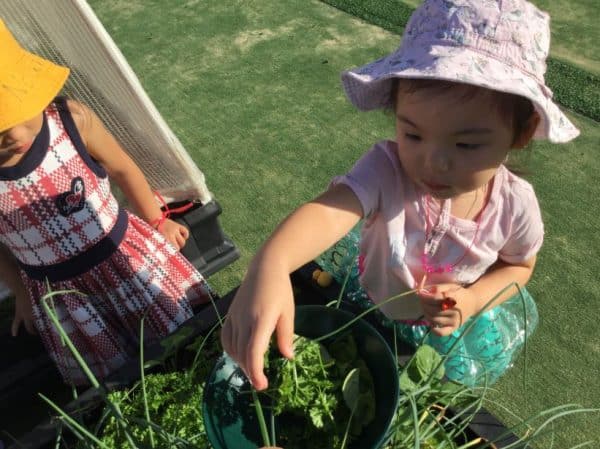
x,y
103,147
469,300
264,302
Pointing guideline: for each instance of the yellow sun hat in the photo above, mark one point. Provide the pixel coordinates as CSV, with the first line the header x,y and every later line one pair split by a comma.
x,y
28,83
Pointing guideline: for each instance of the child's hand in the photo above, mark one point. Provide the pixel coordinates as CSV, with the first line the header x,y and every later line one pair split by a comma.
x,y
447,307
264,303
23,315
174,232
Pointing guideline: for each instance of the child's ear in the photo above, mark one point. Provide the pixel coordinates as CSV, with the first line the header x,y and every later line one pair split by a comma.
x,y
526,135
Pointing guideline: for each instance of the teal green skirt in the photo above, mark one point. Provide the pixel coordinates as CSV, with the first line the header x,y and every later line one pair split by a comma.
x,y
478,352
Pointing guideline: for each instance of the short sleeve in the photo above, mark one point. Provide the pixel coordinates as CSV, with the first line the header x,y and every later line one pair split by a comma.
x,y
527,228
374,174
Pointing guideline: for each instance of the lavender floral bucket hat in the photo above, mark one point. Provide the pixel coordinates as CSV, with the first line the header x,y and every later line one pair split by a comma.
x,y
497,44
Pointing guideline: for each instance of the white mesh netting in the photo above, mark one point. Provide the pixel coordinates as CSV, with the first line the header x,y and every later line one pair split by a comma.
x,y
68,33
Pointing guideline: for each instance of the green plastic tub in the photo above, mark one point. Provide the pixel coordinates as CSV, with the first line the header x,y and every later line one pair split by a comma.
x,y
230,418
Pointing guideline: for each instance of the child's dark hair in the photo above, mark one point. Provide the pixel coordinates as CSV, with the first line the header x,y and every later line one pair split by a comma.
x,y
515,109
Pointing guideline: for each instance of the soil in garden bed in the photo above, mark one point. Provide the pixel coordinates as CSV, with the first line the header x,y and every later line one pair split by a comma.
x,y
26,370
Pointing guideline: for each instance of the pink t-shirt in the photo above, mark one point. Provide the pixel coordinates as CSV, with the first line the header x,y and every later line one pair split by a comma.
x,y
394,230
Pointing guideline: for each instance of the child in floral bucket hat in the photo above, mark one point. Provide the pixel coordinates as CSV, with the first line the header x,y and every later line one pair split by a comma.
x,y
443,219
499,45
61,228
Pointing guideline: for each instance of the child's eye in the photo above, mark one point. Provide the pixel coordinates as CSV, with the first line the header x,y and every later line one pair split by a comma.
x,y
468,146
414,137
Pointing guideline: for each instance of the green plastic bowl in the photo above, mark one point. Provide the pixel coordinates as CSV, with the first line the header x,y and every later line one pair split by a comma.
x,y
230,418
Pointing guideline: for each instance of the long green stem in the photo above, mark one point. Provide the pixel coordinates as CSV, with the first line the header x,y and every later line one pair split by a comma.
x,y
415,415
345,440
273,437
143,381
214,304
58,438
554,412
362,314
71,422
474,442
343,289
261,419
54,318
468,327
199,350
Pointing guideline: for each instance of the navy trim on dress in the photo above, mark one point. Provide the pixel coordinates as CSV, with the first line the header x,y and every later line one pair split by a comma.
x,y
73,132
84,261
32,159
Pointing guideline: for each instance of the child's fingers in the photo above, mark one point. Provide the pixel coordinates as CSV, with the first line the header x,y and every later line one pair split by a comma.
x,y
180,239
227,339
14,328
255,352
442,330
185,232
172,239
433,314
285,335
232,344
431,293
30,327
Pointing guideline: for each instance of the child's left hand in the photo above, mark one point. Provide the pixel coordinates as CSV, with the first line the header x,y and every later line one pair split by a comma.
x,y
447,306
174,232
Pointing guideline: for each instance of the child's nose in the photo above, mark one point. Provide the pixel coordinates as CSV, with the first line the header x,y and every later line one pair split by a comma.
x,y
439,159
13,135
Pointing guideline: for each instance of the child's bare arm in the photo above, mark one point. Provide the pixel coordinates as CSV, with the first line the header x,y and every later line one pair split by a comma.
x,y
103,147
264,302
499,276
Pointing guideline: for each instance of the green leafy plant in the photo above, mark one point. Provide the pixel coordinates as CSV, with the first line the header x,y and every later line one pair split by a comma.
x,y
323,397
159,411
162,409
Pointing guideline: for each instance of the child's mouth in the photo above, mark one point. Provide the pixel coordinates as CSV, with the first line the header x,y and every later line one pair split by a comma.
x,y
22,148
435,187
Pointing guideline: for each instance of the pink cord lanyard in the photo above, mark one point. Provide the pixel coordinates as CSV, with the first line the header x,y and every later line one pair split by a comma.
x,y
434,236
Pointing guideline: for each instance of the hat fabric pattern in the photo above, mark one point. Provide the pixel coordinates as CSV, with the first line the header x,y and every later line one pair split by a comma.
x,y
28,83
495,44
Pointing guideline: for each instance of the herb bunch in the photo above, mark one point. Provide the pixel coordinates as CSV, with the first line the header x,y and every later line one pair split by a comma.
x,y
171,397
307,396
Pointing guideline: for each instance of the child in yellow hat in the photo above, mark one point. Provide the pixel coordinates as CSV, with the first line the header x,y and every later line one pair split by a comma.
x,y
60,224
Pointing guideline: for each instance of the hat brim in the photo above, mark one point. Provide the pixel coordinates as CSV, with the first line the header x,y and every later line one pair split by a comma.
x,y
29,84
369,87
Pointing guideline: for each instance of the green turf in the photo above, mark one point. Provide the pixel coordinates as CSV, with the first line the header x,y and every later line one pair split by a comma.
x,y
252,90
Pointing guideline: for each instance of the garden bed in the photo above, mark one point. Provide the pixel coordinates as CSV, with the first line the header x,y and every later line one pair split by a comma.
x,y
88,406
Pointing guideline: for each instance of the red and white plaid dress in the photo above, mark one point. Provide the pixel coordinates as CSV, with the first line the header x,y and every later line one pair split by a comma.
x,y
64,226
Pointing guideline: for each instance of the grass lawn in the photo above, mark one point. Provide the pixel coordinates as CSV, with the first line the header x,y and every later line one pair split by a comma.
x,y
252,90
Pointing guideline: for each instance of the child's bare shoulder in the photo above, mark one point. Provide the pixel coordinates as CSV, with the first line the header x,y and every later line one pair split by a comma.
x,y
80,112
82,115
